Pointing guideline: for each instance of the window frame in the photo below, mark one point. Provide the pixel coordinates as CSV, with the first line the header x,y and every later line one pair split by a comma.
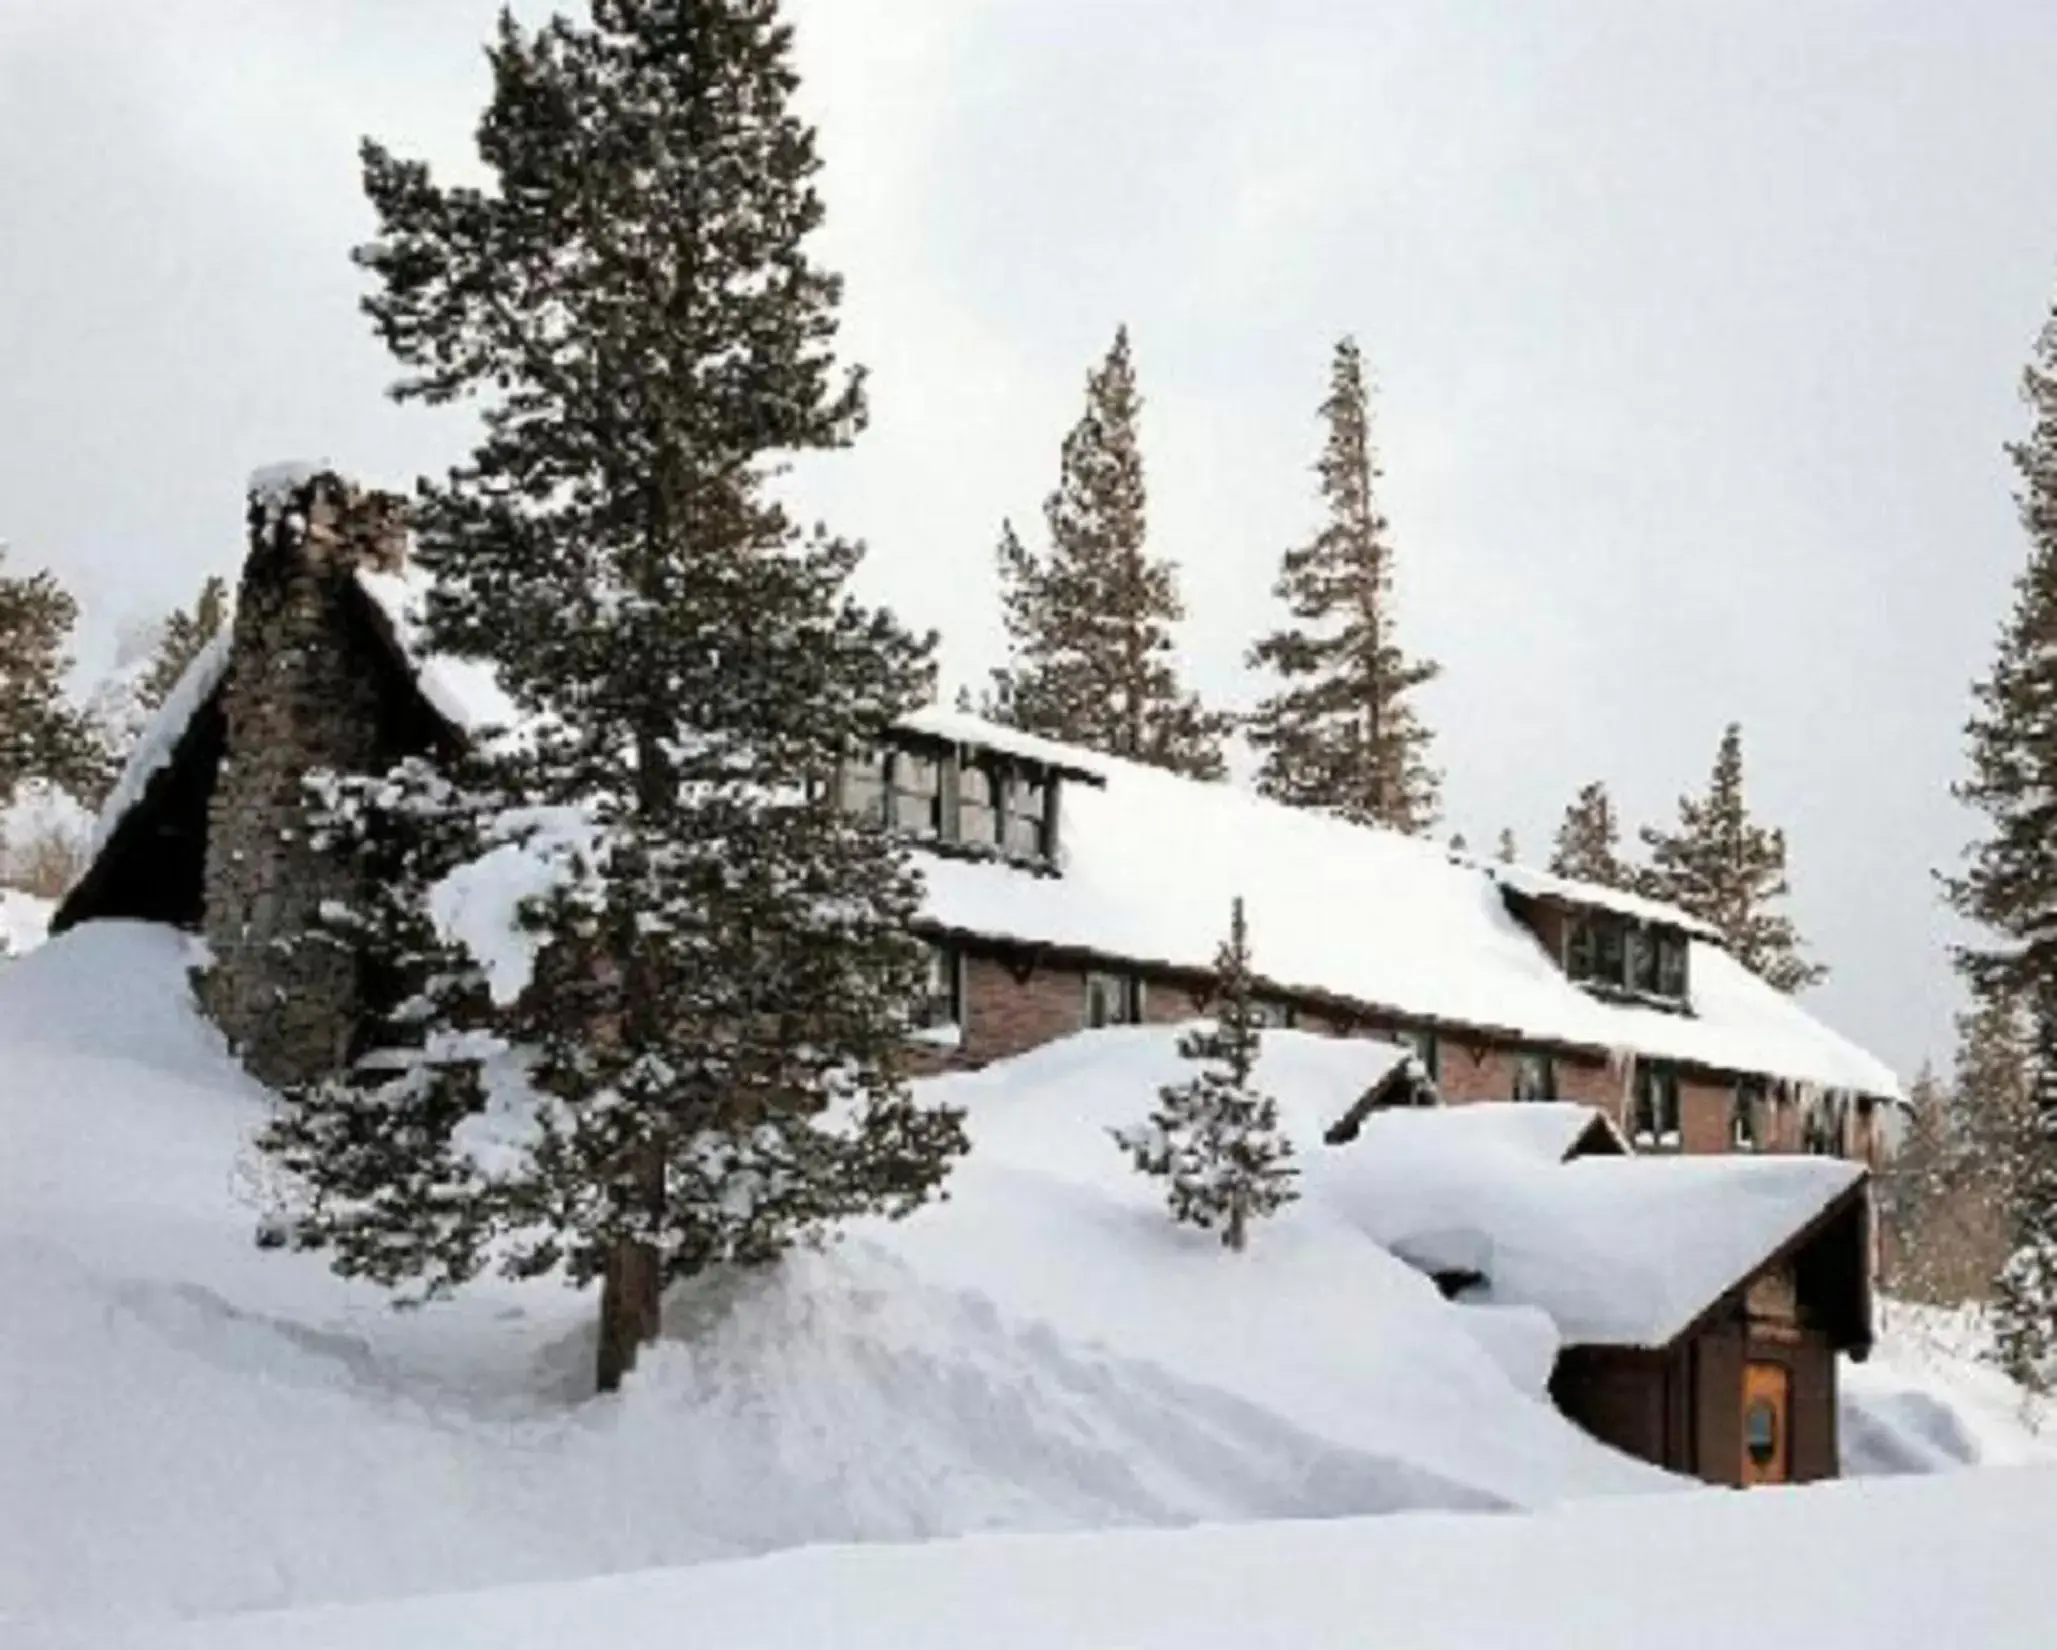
x,y
875,763
951,958
1749,1103
1543,1065
993,777
1657,1094
1273,1014
1128,998
1425,1046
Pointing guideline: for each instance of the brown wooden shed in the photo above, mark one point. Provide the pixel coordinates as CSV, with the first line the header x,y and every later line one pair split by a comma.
x,y
1746,1393
1701,1303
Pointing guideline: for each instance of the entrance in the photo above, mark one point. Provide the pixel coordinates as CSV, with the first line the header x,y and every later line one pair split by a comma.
x,y
1767,1409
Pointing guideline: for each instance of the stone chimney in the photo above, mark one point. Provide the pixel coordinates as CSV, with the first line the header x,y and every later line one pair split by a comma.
x,y
303,692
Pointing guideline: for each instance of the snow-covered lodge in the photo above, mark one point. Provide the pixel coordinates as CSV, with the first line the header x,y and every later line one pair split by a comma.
x,y
1700,1304
1065,889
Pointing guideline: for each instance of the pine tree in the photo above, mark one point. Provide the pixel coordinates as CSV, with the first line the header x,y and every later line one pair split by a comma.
x,y
185,633
1508,851
374,1167
1089,626
724,978
1914,1186
1729,871
42,734
1589,841
2024,1314
1340,732
1214,1138
2009,885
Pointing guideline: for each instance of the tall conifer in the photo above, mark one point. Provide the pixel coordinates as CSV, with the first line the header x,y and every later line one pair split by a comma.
x,y
1340,731
1588,845
185,633
1089,626
2009,884
42,734
1723,867
717,1016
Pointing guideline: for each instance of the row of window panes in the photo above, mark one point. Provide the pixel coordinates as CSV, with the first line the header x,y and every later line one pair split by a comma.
x,y
1000,810
1627,955
1111,999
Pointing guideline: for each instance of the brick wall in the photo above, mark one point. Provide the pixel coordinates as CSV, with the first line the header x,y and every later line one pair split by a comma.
x,y
1704,1112
1010,1008
1593,1083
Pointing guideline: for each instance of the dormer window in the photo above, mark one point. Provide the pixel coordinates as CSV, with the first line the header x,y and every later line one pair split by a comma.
x,y
968,801
861,784
978,806
1026,833
917,794
1617,956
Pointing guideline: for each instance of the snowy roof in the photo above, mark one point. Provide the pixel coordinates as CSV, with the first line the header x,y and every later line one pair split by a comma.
x,y
1618,1251
161,735
961,728
1151,861
1545,1131
464,692
1547,885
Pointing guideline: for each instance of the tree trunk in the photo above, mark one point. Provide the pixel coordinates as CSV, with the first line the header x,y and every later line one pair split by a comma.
x,y
630,1297
1237,1234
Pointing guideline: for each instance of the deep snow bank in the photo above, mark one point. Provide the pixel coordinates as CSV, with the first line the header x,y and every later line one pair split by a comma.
x,y
1897,1566
1929,1399
192,1425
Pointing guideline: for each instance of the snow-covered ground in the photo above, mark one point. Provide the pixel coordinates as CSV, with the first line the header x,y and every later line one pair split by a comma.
x,y
1928,1400
193,1425
1875,1565
190,1426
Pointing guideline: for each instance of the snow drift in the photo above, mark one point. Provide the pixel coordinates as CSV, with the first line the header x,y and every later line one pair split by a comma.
x,y
193,1425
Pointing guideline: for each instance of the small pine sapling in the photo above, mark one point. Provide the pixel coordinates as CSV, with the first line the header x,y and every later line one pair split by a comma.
x,y
1214,1137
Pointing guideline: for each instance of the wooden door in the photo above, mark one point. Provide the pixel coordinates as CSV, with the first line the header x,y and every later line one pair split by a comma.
x,y
1767,1423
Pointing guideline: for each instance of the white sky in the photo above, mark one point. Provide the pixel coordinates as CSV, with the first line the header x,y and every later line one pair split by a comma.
x,y
1697,328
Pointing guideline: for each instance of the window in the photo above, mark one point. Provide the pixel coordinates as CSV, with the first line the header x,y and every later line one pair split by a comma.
x,y
1821,1126
1024,827
1671,964
917,794
1654,1118
1641,947
1535,1077
941,1005
1615,954
978,812
1579,960
1113,1000
1610,953
1422,1043
862,784
1746,1121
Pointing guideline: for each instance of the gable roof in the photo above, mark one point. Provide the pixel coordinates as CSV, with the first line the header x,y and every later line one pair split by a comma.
x,y
1151,861
1617,1251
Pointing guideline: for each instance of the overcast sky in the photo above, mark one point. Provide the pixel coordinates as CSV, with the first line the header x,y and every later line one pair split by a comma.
x,y
1696,330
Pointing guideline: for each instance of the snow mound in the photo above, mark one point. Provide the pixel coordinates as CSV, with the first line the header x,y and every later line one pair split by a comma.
x,y
1929,1399
194,1426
